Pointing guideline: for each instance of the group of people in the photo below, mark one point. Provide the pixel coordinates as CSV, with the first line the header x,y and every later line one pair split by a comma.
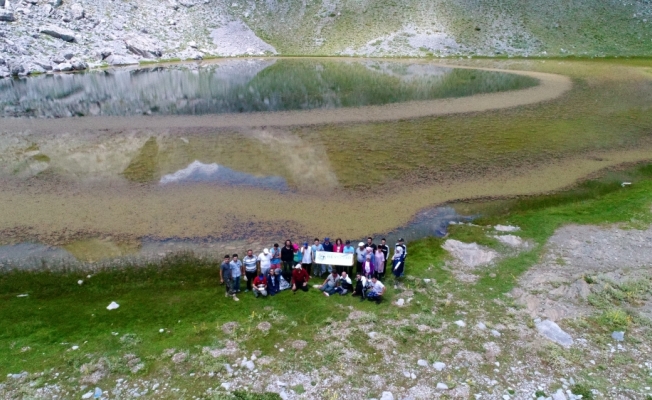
x,y
291,267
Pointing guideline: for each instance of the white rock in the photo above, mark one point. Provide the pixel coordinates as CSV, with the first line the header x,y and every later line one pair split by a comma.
x,y
510,240
115,59
144,47
481,326
250,365
161,330
400,302
77,11
225,385
506,228
559,395
469,254
495,333
426,280
80,282
87,395
422,363
460,323
552,331
112,306
442,386
75,347
58,32
387,396
23,295
618,336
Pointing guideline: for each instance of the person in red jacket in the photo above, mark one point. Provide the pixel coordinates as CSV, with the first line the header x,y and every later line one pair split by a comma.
x,y
260,286
300,279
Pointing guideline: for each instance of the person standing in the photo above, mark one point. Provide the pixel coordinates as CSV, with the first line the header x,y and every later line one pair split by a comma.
x,y
348,249
306,257
370,243
250,262
226,277
328,246
287,256
401,243
339,246
299,280
236,272
276,256
360,254
297,255
260,286
368,267
379,263
397,262
265,260
316,268
385,248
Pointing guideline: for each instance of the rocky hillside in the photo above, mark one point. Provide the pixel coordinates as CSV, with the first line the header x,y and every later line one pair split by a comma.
x,y
41,35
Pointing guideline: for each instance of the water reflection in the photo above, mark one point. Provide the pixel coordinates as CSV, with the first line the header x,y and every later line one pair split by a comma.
x,y
241,86
199,172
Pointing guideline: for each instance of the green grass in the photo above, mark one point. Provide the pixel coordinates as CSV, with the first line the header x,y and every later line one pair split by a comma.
x,y
182,296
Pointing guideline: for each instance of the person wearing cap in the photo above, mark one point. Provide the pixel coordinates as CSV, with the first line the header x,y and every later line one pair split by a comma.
x,y
376,291
260,285
316,268
236,272
275,253
401,243
361,255
250,262
397,262
265,260
226,277
331,282
306,257
299,279
328,246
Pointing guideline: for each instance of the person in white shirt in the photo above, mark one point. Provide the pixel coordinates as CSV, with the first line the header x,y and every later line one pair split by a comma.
x,y
265,259
377,290
306,257
360,286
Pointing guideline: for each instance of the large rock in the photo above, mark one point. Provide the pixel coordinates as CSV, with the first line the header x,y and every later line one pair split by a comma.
x,y
59,32
469,254
116,59
77,11
7,16
553,332
143,47
55,3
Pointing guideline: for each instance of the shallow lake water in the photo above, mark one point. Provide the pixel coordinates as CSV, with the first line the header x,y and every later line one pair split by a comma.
x,y
221,156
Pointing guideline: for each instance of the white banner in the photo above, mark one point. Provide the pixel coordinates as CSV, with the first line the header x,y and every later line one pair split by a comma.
x,y
328,258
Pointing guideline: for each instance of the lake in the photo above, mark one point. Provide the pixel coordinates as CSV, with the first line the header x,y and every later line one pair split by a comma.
x,y
228,154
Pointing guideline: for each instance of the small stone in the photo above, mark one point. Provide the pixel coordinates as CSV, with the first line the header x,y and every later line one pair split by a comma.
x,y
161,330
225,385
442,386
58,32
75,348
495,333
87,395
460,323
179,358
552,331
481,326
618,336
250,365
80,282
400,302
387,396
559,395
439,366
422,363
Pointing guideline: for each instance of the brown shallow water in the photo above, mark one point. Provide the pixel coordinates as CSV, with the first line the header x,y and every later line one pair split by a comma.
x,y
345,172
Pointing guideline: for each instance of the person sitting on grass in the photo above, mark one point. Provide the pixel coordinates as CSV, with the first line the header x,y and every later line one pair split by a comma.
x,y
360,286
273,282
299,279
376,291
226,277
260,286
330,284
345,285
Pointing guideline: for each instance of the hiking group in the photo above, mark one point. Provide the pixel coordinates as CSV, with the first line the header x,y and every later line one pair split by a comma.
x,y
292,266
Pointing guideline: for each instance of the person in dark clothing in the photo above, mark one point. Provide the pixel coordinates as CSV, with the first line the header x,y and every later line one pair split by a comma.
x,y
273,282
370,243
360,286
287,256
300,279
327,245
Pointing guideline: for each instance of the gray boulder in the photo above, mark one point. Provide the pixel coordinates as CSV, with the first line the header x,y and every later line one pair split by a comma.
x,y
143,47
58,32
115,59
16,69
7,16
552,331
4,72
79,65
55,3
